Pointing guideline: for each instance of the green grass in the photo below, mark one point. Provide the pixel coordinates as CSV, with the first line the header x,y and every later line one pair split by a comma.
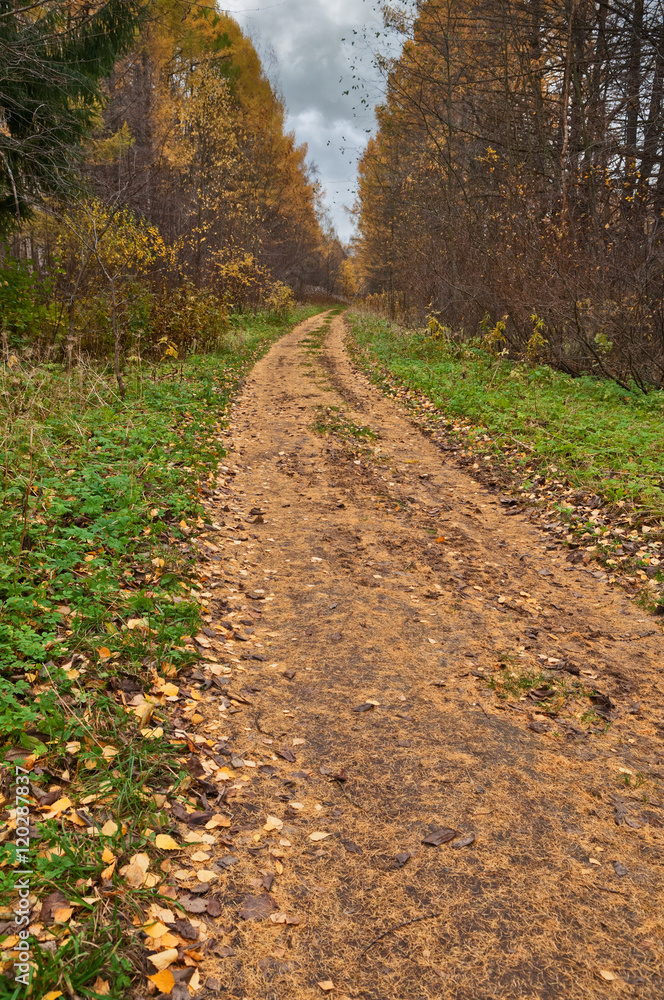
x,y
332,420
98,500
602,438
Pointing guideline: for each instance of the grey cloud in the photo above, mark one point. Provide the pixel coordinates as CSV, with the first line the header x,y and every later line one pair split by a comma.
x,y
311,68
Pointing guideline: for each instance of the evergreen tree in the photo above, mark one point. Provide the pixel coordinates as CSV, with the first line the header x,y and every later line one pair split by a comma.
x,y
53,58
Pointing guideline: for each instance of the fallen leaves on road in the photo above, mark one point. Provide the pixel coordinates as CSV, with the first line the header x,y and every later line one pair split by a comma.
x,y
440,835
258,907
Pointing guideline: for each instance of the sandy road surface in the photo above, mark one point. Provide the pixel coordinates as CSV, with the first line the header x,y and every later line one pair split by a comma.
x,y
400,581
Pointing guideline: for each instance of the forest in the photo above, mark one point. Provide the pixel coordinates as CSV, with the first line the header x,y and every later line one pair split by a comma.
x,y
515,184
149,186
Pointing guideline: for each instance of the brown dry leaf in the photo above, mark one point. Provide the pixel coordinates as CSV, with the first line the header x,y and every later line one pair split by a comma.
x,y
109,752
326,985
273,823
104,653
62,914
166,843
134,876
319,835
135,872
101,986
164,981
163,959
465,841
257,907
441,835
607,975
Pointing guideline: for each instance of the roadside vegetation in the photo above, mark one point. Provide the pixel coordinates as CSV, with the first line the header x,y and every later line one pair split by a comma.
x,y
99,498
586,448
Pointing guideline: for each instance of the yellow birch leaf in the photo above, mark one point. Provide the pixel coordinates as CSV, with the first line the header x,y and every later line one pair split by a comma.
x,y
166,843
163,959
164,981
217,820
108,871
206,876
156,929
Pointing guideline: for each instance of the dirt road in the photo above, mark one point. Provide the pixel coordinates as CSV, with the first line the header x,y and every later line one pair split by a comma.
x,y
427,663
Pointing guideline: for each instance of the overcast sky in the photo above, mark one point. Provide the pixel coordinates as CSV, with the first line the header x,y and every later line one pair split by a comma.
x,y
300,43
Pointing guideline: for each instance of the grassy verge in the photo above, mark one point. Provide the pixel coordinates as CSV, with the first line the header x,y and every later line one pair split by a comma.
x,y
98,499
589,450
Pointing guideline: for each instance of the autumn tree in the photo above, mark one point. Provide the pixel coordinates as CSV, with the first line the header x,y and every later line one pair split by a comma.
x,y
518,171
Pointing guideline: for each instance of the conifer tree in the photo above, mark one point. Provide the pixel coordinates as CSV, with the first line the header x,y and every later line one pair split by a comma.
x,y
53,58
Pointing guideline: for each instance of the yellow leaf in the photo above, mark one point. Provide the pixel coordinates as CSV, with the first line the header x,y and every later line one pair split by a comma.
x,y
170,690
73,747
107,856
101,986
152,734
326,985
166,843
137,623
608,976
62,914
58,807
109,828
217,820
163,959
107,872
206,876
103,653
53,995
155,929
109,752
318,836
273,823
